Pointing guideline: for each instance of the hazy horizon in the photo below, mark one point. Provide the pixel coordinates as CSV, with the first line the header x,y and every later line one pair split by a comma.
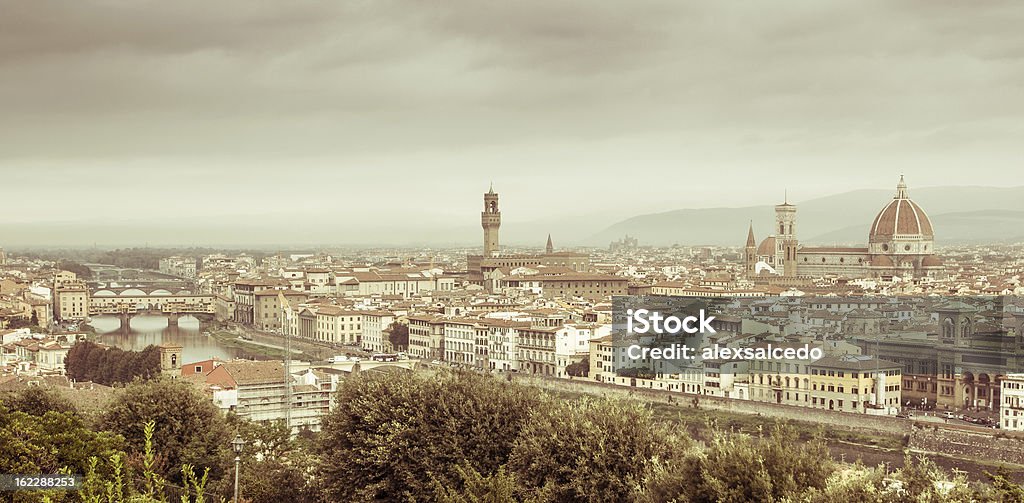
x,y
385,121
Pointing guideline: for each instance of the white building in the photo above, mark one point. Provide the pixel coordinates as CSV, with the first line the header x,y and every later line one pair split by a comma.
x,y
375,323
1011,407
572,343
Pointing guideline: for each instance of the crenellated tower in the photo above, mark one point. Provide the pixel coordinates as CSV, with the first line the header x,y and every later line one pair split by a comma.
x,y
490,219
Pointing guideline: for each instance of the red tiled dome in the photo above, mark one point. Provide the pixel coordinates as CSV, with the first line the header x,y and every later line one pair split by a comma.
x,y
881,261
901,216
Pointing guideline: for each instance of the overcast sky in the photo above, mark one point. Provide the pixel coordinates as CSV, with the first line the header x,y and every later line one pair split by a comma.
x,y
403,112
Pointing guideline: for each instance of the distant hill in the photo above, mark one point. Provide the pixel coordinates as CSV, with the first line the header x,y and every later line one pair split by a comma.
x,y
959,214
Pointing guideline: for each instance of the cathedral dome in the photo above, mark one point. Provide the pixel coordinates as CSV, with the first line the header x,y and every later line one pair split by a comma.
x,y
882,261
902,218
767,247
931,261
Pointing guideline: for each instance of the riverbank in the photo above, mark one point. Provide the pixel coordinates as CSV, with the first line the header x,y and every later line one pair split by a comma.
x,y
256,349
869,446
271,345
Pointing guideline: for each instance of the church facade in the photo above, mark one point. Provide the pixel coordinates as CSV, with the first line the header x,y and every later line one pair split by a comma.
x,y
900,243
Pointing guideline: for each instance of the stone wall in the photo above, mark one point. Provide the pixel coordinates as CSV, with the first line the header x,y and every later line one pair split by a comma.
x,y
959,441
968,444
857,422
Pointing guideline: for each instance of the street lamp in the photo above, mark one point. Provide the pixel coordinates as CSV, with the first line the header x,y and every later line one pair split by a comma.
x,y
236,445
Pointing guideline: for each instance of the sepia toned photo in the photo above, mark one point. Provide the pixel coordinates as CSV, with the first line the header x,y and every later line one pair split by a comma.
x,y
511,252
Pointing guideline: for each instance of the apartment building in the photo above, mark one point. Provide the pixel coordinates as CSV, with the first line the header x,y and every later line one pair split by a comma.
x,y
426,337
536,350
856,383
269,312
70,301
1011,404
460,342
339,326
375,325
503,344
573,343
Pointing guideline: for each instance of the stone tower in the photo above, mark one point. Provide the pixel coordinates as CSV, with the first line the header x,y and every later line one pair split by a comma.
x,y
785,223
956,323
750,252
170,359
490,219
550,247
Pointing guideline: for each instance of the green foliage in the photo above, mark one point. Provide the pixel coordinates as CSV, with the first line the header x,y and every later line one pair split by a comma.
x,y
398,335
31,323
578,369
87,361
50,442
1005,489
195,486
637,372
738,467
501,487
80,270
154,482
397,436
589,450
918,481
189,428
275,467
37,401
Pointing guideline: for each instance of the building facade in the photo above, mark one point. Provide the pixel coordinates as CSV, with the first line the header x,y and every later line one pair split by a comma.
x,y
901,243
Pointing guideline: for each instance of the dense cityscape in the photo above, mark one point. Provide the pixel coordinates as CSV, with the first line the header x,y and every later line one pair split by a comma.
x,y
511,252
911,334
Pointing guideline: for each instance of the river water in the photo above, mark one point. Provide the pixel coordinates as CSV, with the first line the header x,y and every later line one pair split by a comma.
x,y
148,329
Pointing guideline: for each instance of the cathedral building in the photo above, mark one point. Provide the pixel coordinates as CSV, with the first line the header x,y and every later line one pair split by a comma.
x,y
900,243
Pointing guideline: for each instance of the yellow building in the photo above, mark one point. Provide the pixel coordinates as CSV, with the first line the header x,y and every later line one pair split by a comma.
x,y
856,383
70,297
268,310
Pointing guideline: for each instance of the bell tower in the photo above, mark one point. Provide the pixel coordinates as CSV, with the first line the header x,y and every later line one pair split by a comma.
x,y
490,219
170,359
786,243
750,252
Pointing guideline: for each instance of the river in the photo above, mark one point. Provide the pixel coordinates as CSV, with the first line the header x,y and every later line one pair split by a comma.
x,y
148,329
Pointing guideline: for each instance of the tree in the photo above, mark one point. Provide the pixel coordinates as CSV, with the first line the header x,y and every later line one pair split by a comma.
x,y
501,487
80,270
87,361
275,467
637,372
189,428
1006,489
589,450
579,369
37,401
738,468
401,436
398,335
51,442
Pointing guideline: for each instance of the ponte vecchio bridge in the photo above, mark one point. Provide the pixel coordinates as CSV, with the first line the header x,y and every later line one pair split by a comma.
x,y
125,303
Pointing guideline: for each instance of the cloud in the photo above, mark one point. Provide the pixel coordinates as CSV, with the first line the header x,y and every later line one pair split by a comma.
x,y
554,99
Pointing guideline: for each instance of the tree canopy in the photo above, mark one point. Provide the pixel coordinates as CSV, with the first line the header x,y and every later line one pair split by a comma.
x,y
87,361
